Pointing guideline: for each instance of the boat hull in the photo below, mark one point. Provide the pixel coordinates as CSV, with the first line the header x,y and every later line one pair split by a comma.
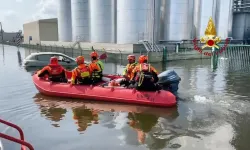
x,y
104,93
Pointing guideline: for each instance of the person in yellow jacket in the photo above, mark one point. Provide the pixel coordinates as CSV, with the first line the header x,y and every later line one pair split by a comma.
x,y
127,73
96,66
82,73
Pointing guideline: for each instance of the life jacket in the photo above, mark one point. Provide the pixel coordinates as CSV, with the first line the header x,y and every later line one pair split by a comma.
x,y
144,74
96,73
82,73
100,64
55,71
129,69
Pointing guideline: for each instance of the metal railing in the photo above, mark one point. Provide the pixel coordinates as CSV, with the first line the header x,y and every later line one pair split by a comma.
x,y
150,47
241,6
21,140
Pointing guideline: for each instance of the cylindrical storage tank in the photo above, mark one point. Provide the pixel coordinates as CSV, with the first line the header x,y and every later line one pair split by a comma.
x,y
101,21
131,20
177,20
153,24
196,18
208,9
225,20
64,21
80,20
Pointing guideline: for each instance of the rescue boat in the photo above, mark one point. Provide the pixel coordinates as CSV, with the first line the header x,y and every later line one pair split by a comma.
x,y
100,92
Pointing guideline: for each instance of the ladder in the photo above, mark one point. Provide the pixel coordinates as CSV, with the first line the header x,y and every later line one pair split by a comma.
x,y
150,47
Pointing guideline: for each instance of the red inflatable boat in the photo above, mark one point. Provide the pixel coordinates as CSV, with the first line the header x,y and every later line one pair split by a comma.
x,y
104,93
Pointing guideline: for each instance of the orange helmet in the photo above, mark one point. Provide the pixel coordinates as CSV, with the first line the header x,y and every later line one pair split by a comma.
x,y
131,57
142,58
94,54
53,61
80,60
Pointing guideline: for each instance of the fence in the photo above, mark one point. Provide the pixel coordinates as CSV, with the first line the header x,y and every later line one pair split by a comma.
x,y
113,55
235,58
183,48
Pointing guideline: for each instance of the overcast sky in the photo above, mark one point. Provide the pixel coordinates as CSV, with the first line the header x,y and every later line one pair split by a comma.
x,y
14,13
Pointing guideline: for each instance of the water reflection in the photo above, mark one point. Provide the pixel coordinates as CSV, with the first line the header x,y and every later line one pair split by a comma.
x,y
84,117
212,112
3,52
242,132
19,58
142,124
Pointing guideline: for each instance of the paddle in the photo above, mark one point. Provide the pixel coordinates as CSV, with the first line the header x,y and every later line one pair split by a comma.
x,y
102,56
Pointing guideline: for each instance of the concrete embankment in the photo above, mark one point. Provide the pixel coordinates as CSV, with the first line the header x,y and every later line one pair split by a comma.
x,y
115,52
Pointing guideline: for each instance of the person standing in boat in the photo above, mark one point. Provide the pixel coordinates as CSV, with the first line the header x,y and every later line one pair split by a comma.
x,y
54,71
97,66
81,74
144,76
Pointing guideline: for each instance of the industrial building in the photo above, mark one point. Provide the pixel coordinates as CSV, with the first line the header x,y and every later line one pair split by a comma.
x,y
41,30
8,36
129,21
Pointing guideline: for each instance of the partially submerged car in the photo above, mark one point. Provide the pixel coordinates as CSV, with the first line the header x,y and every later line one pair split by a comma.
x,y
40,59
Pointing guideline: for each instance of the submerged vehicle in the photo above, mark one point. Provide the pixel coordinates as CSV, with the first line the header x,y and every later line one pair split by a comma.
x,y
101,92
42,59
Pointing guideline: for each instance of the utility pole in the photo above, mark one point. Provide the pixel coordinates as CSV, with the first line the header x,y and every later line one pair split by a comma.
x,y
1,31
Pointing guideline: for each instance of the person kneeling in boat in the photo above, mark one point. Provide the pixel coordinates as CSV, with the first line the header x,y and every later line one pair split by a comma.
x,y
97,66
144,76
127,73
54,71
81,74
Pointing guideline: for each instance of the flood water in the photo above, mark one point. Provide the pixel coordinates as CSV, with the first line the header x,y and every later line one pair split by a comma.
x,y
213,112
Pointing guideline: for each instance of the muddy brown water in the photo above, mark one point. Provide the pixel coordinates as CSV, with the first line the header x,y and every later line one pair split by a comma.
x,y
212,112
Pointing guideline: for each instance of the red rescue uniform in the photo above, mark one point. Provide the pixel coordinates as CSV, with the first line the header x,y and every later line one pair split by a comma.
x,y
54,71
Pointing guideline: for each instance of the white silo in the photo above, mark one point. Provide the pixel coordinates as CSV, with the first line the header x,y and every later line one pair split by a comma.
x,y
101,21
209,8
153,21
80,20
64,21
225,20
178,20
131,20
196,18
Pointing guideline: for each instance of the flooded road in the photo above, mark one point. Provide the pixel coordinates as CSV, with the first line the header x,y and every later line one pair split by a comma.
x,y
213,111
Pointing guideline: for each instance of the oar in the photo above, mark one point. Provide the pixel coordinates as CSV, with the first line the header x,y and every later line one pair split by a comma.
x,y
102,56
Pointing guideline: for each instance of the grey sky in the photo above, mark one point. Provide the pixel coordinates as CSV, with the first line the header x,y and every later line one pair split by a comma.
x,y
14,13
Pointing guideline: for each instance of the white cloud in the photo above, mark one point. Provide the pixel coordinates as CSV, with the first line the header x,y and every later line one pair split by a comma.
x,y
19,1
46,9
10,21
9,14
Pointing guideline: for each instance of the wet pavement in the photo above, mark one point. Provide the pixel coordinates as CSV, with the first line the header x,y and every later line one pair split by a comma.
x,y
212,112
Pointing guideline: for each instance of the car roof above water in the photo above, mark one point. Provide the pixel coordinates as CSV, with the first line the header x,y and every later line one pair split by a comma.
x,y
49,53
52,53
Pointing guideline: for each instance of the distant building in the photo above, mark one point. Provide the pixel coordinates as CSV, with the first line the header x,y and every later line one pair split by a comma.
x,y
8,36
40,30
